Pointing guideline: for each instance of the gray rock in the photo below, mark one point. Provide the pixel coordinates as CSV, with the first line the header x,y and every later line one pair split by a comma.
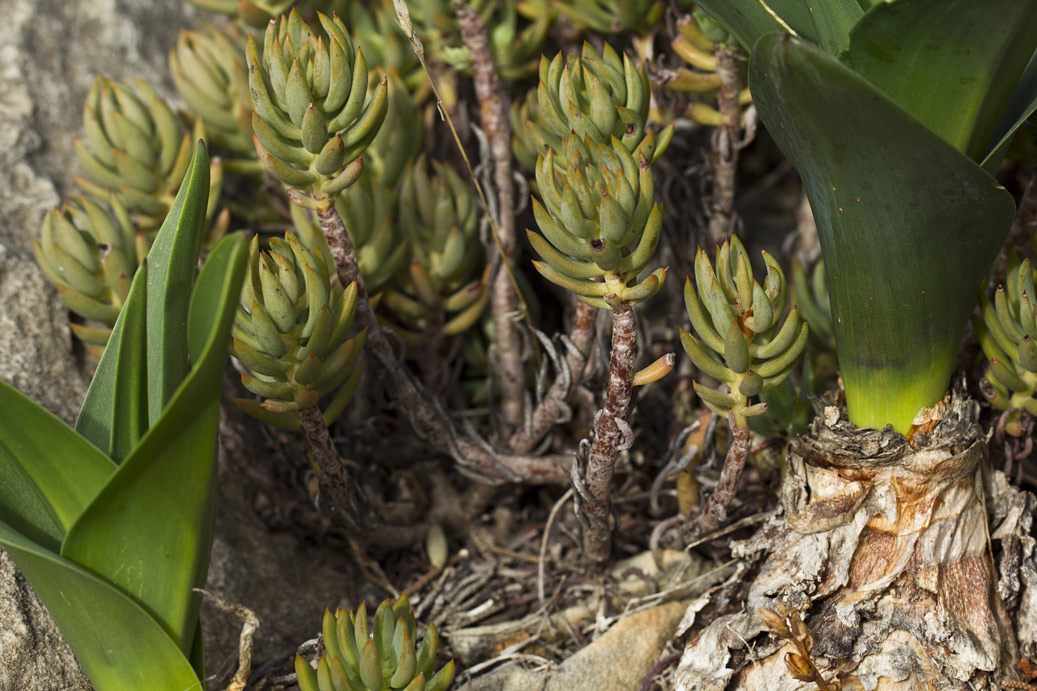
x,y
51,51
617,661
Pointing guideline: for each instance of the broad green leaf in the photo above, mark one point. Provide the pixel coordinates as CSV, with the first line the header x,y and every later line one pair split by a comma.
x,y
1020,107
171,270
120,646
114,415
150,529
825,22
952,64
48,473
746,19
833,22
908,225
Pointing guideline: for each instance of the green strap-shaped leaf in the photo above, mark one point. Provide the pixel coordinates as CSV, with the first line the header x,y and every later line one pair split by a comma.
x,y
825,22
48,473
908,225
952,64
120,646
171,270
150,529
114,415
1020,107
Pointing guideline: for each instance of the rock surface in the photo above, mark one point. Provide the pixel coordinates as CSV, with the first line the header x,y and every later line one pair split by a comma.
x,y
51,52
617,661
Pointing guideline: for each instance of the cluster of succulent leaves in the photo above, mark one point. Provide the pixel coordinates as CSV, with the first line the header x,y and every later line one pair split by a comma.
x,y
292,333
742,340
388,657
697,44
79,505
312,116
599,219
1007,331
446,280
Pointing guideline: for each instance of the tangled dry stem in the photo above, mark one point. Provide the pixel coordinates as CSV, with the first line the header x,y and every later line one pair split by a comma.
x,y
474,457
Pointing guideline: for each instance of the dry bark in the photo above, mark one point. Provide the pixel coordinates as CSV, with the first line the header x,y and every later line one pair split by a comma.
x,y
553,407
493,109
885,550
592,480
726,145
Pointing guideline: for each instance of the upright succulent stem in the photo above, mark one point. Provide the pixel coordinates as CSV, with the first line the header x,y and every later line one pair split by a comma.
x,y
549,410
340,498
609,438
473,456
725,142
715,511
493,111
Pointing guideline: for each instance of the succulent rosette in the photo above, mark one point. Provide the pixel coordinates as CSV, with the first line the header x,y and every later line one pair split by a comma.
x,y
292,334
594,95
387,656
742,341
599,221
90,255
1007,332
446,285
312,113
209,71
253,13
135,146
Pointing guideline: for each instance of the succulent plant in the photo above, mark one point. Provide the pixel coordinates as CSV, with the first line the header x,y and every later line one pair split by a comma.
x,y
595,95
90,255
312,117
742,341
366,210
135,146
1007,332
210,73
599,221
613,16
254,14
697,43
377,32
447,280
291,333
399,140
385,658
523,146
811,296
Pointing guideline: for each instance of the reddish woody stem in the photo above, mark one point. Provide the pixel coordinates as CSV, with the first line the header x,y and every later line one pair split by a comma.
x,y
725,149
715,511
339,498
595,501
493,103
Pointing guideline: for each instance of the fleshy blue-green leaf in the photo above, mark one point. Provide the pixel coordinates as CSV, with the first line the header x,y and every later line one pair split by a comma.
x,y
908,225
119,645
48,473
171,271
952,64
114,415
150,529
